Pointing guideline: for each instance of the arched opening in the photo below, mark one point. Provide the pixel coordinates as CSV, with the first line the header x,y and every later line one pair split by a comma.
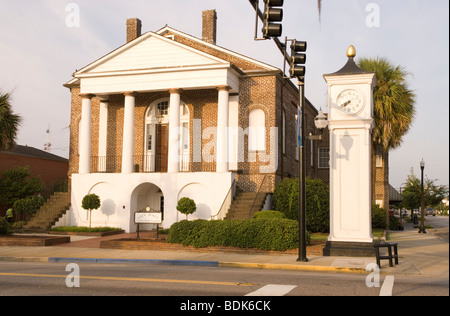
x,y
146,195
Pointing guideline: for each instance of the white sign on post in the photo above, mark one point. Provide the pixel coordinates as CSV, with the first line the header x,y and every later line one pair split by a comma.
x,y
147,218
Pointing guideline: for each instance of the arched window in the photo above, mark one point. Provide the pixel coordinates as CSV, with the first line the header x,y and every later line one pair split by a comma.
x,y
257,131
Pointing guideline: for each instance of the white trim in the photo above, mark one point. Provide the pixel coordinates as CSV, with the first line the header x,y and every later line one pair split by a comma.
x,y
151,71
224,50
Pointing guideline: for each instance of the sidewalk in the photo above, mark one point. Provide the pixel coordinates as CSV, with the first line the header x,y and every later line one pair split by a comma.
x,y
419,254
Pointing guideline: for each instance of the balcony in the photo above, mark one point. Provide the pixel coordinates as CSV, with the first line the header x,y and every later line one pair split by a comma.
x,y
142,164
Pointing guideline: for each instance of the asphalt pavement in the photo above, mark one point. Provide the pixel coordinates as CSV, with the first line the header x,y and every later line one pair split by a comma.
x,y
419,254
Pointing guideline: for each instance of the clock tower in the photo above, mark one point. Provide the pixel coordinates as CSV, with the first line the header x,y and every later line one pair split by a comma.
x,y
350,116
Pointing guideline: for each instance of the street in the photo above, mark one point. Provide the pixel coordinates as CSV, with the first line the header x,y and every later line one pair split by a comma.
x,y
56,279
199,282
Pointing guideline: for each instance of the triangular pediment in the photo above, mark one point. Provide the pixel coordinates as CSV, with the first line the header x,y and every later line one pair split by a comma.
x,y
240,61
151,51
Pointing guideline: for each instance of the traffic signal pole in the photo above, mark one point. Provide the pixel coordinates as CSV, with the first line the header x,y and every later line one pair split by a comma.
x,y
302,154
281,46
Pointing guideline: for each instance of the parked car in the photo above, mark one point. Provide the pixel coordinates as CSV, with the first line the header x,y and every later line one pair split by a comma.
x,y
430,211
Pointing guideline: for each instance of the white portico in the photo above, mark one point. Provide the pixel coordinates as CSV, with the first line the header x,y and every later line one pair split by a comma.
x,y
151,64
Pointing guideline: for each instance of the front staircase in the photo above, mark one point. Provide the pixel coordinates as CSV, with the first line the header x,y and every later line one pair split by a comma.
x,y
53,209
245,205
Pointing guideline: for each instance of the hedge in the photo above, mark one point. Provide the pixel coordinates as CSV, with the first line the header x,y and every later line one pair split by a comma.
x,y
317,204
269,214
266,234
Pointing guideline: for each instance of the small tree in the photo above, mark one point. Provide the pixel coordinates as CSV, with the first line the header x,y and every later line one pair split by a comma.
x,y
186,206
17,183
91,202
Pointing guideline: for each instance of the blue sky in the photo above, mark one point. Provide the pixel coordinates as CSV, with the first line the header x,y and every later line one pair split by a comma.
x,y
39,53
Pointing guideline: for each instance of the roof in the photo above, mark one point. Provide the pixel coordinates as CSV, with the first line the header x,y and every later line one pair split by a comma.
x,y
350,68
214,49
32,152
219,54
394,195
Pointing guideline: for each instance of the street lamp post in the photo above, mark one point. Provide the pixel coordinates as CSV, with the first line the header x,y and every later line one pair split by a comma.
x,y
321,122
422,201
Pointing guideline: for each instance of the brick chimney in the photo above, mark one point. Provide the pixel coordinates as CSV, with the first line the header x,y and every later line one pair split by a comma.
x,y
134,29
209,28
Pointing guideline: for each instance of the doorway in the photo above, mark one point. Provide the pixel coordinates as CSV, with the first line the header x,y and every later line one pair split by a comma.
x,y
162,148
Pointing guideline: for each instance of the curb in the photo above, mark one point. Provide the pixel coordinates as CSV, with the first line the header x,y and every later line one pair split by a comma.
x,y
214,264
291,267
138,261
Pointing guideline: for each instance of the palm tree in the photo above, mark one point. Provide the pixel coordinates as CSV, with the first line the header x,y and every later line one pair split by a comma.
x,y
9,122
319,6
394,109
394,113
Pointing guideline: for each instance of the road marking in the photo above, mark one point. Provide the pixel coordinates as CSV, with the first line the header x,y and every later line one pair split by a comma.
x,y
388,285
128,279
273,290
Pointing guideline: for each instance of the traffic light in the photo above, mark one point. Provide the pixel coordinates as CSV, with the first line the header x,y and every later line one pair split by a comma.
x,y
298,59
273,13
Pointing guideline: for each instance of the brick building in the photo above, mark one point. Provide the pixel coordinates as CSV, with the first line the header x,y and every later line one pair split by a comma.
x,y
49,167
168,115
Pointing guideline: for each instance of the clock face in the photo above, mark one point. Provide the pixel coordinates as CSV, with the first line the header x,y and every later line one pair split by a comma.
x,y
350,102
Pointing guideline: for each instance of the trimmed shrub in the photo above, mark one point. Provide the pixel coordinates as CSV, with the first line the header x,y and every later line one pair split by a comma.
x,y
5,227
26,207
317,206
379,219
266,234
285,198
378,216
269,215
317,193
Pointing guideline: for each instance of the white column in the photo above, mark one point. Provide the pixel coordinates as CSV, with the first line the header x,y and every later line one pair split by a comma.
x,y
103,133
174,132
85,134
128,133
222,135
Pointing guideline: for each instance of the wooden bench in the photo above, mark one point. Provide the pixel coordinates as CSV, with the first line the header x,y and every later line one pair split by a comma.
x,y
391,256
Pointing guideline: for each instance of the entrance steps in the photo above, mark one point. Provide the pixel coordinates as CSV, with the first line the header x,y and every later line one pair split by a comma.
x,y
245,205
53,209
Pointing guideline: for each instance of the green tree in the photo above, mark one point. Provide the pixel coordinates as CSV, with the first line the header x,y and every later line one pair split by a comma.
x,y
91,202
186,206
319,7
394,112
433,194
394,102
9,122
411,193
17,184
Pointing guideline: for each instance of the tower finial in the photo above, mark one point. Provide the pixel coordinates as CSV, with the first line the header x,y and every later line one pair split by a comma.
x,y
351,51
